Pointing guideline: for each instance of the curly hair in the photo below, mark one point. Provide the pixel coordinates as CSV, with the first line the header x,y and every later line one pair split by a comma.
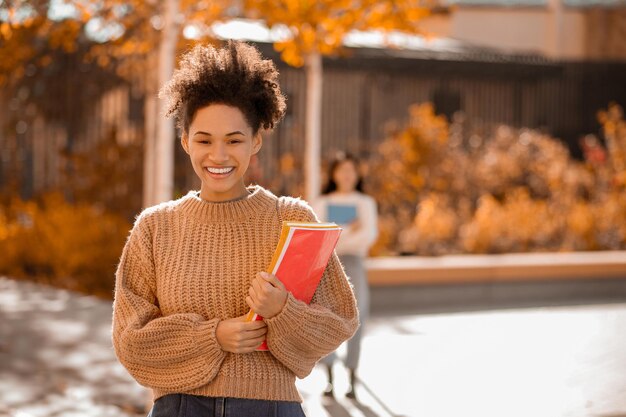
x,y
235,75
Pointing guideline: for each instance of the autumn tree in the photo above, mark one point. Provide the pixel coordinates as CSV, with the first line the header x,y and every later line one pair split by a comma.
x,y
319,28
135,37
147,45
135,40
43,59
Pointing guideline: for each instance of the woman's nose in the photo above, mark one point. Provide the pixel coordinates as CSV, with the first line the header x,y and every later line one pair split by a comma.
x,y
219,153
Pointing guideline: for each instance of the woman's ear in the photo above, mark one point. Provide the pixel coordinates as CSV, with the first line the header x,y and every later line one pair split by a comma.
x,y
257,142
184,140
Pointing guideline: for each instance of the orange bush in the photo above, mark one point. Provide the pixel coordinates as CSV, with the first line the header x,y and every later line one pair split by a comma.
x,y
517,190
70,246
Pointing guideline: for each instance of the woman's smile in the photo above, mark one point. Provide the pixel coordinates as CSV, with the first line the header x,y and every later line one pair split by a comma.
x,y
219,172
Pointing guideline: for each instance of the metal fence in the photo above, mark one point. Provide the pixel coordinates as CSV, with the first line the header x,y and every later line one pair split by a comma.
x,y
362,93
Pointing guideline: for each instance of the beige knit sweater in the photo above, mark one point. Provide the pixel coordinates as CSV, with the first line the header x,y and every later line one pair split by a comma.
x,y
188,264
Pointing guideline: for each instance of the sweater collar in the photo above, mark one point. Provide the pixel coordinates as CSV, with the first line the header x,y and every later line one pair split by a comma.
x,y
243,209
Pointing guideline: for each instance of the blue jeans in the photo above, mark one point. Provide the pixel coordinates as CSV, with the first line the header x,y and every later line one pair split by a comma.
x,y
185,405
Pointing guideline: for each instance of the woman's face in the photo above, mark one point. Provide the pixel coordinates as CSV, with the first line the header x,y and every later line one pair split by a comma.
x,y
220,144
346,176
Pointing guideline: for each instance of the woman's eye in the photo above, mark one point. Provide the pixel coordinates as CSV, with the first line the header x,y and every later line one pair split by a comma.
x,y
235,141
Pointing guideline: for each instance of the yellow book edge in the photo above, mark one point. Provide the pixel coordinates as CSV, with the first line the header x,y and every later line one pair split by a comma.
x,y
284,233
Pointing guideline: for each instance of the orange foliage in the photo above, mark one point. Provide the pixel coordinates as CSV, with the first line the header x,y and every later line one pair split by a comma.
x,y
70,246
518,190
126,33
320,26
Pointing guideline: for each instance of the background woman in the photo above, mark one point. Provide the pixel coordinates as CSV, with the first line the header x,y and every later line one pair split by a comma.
x,y
343,201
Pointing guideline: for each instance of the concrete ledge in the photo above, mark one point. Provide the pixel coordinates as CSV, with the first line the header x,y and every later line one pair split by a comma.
x,y
460,269
437,298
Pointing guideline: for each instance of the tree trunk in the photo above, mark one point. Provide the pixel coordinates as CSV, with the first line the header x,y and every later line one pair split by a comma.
x,y
313,127
555,43
150,121
164,150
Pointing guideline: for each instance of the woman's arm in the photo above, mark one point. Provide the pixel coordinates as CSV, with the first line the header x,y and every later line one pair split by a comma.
x,y
178,352
301,334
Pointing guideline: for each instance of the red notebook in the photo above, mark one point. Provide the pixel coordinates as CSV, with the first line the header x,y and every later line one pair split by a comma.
x,y
300,259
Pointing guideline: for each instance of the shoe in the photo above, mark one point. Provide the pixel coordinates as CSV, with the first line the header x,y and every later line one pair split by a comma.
x,y
328,391
351,393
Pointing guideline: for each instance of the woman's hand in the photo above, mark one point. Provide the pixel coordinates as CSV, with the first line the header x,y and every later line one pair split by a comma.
x,y
267,295
240,336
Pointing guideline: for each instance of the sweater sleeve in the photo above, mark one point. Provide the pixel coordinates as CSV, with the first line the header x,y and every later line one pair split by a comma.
x,y
301,334
177,352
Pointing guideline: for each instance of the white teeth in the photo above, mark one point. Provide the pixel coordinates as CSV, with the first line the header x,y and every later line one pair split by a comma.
x,y
219,170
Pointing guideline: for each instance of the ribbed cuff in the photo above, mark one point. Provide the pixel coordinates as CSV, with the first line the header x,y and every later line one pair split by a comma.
x,y
286,341
290,318
207,343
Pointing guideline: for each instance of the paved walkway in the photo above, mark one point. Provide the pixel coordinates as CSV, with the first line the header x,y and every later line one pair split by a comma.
x,y
568,361
539,362
56,357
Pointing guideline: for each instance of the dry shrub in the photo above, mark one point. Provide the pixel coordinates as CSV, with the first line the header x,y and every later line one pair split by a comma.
x,y
69,246
515,190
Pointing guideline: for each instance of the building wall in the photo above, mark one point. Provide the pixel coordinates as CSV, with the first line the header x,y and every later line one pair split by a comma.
x,y
555,31
606,34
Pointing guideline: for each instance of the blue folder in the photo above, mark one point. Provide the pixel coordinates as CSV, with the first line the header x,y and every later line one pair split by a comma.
x,y
341,213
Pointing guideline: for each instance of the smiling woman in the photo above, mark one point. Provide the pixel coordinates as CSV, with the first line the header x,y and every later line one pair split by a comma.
x,y
192,268
220,144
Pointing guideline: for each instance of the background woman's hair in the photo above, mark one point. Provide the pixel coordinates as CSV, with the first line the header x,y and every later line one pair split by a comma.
x,y
235,75
337,160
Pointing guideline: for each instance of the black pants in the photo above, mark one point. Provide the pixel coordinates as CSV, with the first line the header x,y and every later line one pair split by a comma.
x,y
185,405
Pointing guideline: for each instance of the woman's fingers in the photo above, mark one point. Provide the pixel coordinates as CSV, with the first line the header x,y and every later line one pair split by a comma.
x,y
251,304
256,324
271,279
238,335
266,295
257,293
254,334
254,342
252,293
254,285
250,345
251,340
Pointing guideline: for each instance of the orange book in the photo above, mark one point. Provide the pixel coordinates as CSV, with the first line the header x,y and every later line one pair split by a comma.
x,y
300,259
